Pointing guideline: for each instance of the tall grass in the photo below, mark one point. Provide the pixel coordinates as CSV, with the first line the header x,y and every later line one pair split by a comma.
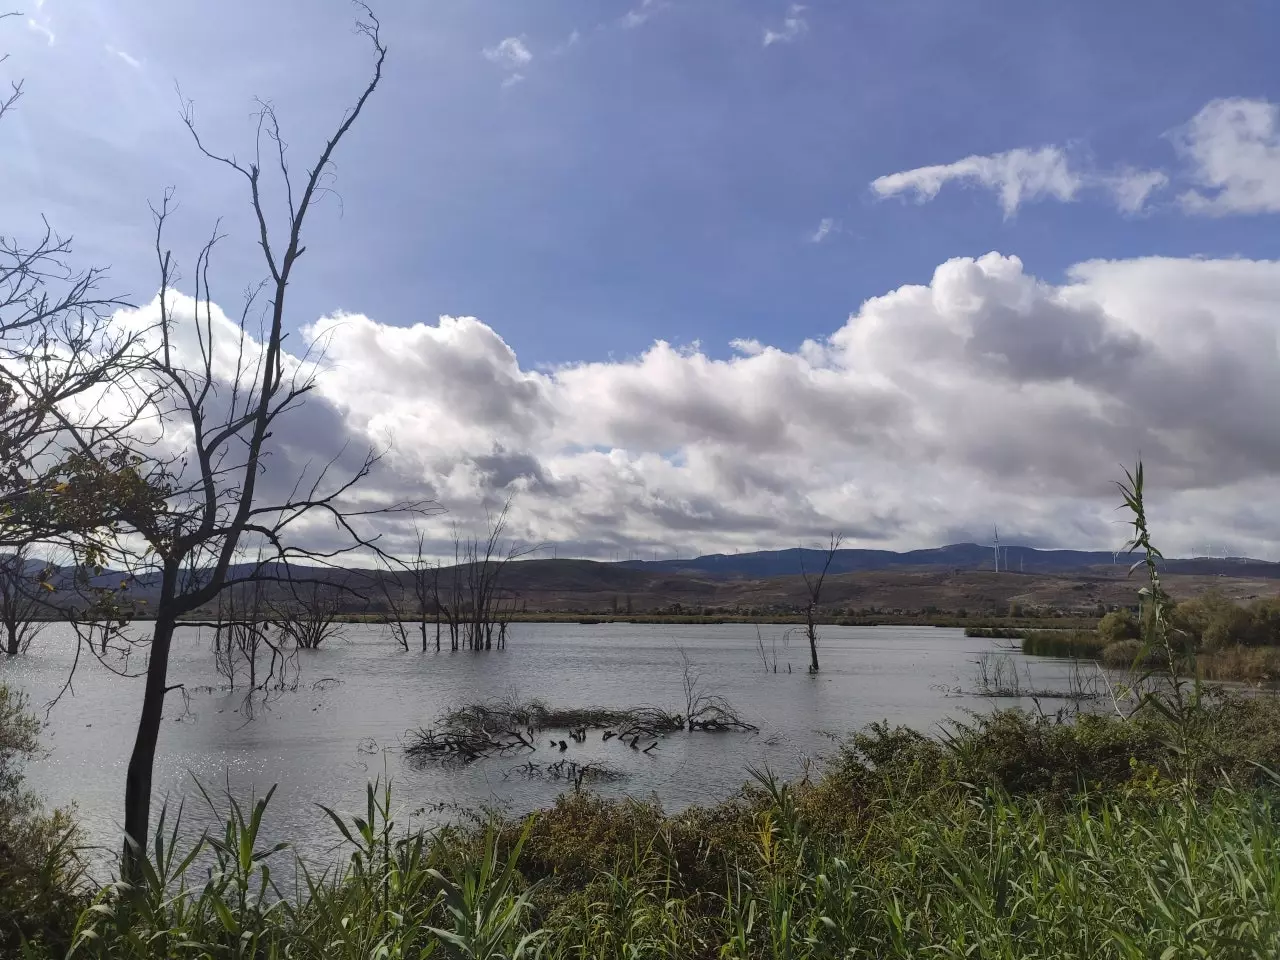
x,y
925,872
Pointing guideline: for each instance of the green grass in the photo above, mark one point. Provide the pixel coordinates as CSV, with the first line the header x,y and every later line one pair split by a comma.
x,y
1010,836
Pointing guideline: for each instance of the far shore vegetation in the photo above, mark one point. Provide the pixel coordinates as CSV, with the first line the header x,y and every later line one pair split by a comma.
x,y
1229,641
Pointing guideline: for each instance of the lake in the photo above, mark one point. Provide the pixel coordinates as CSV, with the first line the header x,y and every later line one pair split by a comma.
x,y
322,743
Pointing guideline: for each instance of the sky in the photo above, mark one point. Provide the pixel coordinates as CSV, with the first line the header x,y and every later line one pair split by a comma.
x,y
685,277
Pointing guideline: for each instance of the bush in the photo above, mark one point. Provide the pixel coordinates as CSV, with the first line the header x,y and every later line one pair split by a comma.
x,y
39,870
1119,625
1214,622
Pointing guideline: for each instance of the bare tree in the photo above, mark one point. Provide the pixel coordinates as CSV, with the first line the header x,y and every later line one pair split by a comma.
x,y
393,603
218,491
486,606
419,604
310,616
22,604
446,595
242,634
813,587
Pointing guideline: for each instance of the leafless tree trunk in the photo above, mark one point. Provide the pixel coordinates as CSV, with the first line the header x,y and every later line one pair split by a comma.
x,y
393,598
21,603
209,511
449,604
813,586
310,617
426,584
241,633
484,561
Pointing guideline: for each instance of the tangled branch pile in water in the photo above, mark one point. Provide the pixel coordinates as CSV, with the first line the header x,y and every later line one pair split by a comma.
x,y
508,724
451,745
716,715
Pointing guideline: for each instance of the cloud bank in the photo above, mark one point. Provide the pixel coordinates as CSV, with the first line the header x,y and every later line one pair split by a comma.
x,y
987,395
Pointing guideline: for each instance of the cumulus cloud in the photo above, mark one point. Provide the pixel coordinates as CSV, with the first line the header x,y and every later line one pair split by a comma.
x,y
794,26
934,410
1233,148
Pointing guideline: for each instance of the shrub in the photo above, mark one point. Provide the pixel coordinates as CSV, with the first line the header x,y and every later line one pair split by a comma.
x,y
39,870
1118,625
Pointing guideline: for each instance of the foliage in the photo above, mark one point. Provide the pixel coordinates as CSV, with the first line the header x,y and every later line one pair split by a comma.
x,y
1118,625
39,870
1214,622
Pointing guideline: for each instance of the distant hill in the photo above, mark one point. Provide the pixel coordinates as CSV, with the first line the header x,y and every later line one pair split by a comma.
x,y
957,556
955,577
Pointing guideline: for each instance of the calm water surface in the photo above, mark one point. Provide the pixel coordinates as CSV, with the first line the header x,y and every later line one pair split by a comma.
x,y
323,745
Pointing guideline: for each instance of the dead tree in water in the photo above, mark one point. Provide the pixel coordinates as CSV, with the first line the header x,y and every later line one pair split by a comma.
x,y
486,606
446,596
240,633
424,577
468,597
310,617
20,602
813,587
415,608
393,598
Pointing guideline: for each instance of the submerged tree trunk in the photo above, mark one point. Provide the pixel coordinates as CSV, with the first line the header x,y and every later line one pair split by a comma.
x,y
811,628
137,785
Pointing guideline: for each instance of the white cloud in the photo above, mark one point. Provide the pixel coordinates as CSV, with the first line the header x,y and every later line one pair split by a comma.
x,y
794,26
513,79
511,53
1025,175
1233,147
1016,176
985,394
826,227
1230,149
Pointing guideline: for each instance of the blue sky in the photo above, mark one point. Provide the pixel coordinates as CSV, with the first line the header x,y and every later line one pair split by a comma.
x,y
587,178
653,182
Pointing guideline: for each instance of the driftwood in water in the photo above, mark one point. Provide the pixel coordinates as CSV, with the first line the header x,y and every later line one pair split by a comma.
x,y
460,746
507,725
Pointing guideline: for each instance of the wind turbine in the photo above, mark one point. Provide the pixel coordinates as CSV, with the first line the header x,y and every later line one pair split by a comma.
x,y
997,548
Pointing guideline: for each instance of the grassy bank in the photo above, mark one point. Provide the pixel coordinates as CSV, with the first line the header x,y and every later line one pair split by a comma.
x,y
1011,836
